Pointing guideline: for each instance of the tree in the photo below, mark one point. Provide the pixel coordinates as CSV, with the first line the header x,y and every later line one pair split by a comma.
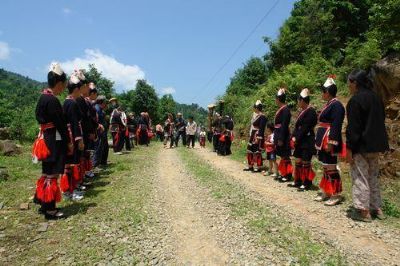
x,y
166,105
145,99
104,85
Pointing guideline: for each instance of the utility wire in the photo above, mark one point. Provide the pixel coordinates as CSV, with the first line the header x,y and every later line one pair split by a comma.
x,y
238,48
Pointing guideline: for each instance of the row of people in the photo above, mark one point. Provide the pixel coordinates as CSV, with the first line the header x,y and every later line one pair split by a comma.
x,y
68,136
173,130
365,137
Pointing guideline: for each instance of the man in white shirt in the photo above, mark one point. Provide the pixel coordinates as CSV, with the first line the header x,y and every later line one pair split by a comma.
x,y
191,129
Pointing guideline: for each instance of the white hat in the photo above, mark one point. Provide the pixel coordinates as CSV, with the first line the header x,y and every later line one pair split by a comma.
x,y
79,74
74,79
281,92
330,81
258,102
304,93
56,68
92,85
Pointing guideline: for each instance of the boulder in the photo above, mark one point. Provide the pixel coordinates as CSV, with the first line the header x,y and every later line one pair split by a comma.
x,y
3,174
9,148
386,77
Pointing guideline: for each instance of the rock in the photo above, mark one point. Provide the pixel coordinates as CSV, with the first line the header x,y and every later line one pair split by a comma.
x,y
4,133
386,76
9,148
24,206
43,227
3,174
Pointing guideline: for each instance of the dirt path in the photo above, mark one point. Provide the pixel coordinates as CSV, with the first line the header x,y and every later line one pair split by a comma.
x,y
372,244
194,243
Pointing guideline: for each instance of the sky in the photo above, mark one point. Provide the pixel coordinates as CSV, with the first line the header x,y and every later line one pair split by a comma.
x,y
176,45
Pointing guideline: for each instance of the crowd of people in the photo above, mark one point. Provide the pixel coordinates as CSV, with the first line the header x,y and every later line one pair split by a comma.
x,y
73,137
320,134
73,140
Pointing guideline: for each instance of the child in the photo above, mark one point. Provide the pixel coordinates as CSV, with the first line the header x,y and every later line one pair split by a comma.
x,y
203,135
270,149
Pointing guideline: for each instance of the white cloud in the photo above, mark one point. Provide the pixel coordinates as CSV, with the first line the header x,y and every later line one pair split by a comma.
x,y
66,10
5,50
168,90
124,76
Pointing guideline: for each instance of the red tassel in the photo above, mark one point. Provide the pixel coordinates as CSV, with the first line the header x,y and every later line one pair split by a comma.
x,y
289,167
51,190
259,160
298,173
329,186
39,188
311,175
282,167
222,138
64,182
250,159
76,173
40,149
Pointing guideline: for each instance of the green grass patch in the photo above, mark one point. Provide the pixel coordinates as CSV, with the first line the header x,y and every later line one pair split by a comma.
x,y
100,228
270,227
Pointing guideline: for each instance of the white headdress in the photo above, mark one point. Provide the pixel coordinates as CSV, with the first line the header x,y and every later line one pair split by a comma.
x,y
281,91
305,93
79,74
74,79
56,68
258,102
330,81
92,86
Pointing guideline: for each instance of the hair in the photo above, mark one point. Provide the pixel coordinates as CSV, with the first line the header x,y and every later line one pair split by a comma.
x,y
259,107
92,91
53,79
305,99
101,99
71,86
332,89
169,115
271,127
281,98
191,117
361,78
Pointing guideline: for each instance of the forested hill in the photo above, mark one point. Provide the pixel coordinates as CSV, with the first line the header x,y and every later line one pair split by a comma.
x,y
318,39
19,94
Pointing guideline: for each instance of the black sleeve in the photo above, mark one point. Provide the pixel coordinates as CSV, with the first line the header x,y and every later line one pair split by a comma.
x,y
309,122
56,114
285,124
354,126
338,114
263,124
75,122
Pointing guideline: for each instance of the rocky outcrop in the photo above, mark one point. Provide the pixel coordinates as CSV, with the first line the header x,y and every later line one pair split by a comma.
x,y
386,77
4,133
9,148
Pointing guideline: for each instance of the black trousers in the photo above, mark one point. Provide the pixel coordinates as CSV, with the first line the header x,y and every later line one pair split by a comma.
x,y
178,135
190,140
216,141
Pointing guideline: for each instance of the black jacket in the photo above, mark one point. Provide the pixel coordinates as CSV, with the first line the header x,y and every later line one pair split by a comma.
x,y
304,129
366,131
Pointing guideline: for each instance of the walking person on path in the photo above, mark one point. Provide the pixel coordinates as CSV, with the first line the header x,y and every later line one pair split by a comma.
x,y
191,129
366,137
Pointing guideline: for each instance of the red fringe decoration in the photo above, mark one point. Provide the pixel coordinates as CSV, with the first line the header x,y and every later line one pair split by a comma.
x,y
150,134
259,160
250,159
47,190
298,173
222,138
285,167
40,149
330,187
76,173
64,182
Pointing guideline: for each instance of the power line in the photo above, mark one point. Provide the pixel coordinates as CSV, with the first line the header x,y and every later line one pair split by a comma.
x,y
239,47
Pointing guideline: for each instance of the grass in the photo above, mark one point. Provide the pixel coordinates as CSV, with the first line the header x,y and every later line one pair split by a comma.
x,y
389,187
294,241
98,228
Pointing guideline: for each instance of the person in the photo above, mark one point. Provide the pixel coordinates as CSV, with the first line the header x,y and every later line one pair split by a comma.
x,y
169,131
180,125
256,142
117,127
98,128
101,145
191,128
126,136
226,137
303,138
202,137
282,137
88,128
52,144
70,180
159,133
143,129
328,141
132,127
271,152
216,130
366,137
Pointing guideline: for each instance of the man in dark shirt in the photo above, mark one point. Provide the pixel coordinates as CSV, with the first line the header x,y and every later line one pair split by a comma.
x,y
180,125
101,145
366,137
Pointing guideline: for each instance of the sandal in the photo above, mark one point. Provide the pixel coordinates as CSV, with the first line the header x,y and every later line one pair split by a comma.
x,y
54,215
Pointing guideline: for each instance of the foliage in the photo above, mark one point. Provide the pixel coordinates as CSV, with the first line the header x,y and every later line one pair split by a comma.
x,y
167,105
104,85
144,99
